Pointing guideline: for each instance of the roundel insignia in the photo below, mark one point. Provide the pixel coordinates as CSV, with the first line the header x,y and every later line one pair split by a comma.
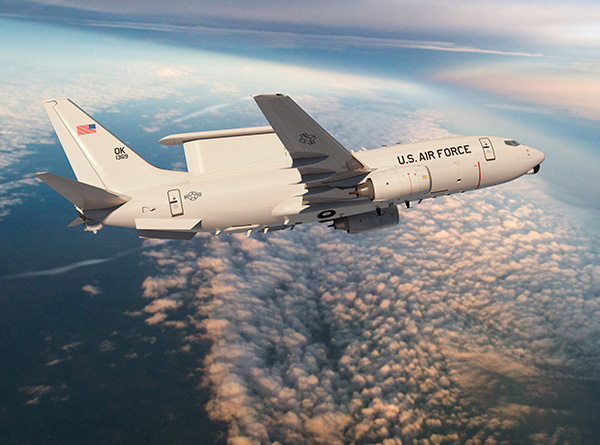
x,y
192,196
326,214
306,138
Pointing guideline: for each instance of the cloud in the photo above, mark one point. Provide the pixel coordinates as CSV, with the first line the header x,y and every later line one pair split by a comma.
x,y
157,318
57,270
92,290
70,267
549,24
553,88
41,392
12,192
286,39
155,287
36,392
174,71
161,304
207,110
461,323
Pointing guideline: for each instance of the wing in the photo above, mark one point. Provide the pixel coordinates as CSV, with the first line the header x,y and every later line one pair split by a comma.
x,y
325,165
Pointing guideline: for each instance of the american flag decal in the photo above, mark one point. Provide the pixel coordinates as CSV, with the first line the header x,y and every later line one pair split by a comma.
x,y
86,129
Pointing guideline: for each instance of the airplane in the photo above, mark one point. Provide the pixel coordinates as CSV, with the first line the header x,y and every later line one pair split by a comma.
x,y
262,179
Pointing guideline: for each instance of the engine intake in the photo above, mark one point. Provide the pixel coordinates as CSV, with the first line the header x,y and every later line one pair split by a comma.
x,y
396,184
365,222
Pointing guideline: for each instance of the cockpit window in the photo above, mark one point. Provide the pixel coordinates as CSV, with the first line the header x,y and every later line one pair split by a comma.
x,y
512,143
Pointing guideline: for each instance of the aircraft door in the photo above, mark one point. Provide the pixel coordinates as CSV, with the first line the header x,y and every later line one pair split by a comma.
x,y
175,202
488,150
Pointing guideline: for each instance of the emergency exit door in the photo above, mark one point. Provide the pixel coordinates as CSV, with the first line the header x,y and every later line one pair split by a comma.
x,y
488,150
175,202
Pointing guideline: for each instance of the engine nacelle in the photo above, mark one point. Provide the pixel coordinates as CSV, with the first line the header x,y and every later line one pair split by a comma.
x,y
366,222
396,184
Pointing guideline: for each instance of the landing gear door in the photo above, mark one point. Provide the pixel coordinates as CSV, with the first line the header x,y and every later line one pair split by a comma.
x,y
175,202
488,150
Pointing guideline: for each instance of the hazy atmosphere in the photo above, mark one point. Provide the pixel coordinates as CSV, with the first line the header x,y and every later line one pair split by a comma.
x,y
475,320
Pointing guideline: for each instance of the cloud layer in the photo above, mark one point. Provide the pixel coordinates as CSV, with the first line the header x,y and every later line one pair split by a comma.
x,y
473,320
575,91
466,322
550,24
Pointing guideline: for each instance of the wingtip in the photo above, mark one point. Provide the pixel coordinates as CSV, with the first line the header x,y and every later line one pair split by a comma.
x,y
56,99
254,96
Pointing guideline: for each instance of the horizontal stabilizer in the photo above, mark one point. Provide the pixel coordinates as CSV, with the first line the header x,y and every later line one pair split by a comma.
x,y
84,196
171,228
183,224
166,234
76,222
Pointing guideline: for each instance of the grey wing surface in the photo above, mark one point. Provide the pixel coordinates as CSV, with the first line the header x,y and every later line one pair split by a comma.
x,y
324,164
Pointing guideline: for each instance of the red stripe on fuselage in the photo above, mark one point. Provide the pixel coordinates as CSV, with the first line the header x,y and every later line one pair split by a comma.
x,y
479,168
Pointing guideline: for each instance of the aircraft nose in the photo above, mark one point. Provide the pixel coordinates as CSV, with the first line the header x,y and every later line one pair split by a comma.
x,y
536,157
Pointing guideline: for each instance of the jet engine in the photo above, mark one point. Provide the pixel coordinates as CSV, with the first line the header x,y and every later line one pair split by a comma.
x,y
365,222
396,184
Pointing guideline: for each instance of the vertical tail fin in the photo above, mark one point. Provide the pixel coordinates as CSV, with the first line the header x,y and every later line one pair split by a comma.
x,y
99,158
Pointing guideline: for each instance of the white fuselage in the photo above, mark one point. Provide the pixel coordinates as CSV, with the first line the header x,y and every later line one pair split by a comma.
x,y
272,197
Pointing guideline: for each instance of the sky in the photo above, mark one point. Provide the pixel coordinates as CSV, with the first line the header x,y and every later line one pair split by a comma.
x,y
476,319
551,26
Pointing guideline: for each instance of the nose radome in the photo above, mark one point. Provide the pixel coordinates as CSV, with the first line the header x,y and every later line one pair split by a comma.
x,y
537,156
